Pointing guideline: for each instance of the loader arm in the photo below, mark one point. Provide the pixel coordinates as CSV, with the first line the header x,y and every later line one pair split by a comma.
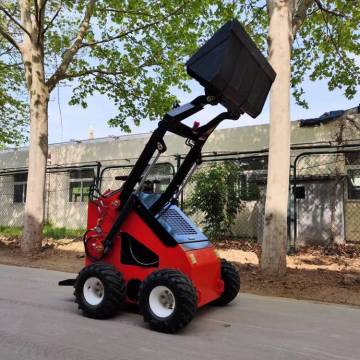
x,y
172,123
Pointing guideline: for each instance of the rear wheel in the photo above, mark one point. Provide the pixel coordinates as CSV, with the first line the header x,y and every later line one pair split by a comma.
x,y
231,278
99,291
167,300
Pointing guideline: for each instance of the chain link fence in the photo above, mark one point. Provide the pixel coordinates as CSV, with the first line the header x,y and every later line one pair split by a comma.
x,y
67,190
250,188
65,201
326,197
324,193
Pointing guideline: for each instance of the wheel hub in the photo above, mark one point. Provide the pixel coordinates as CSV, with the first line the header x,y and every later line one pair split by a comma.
x,y
93,291
162,301
167,299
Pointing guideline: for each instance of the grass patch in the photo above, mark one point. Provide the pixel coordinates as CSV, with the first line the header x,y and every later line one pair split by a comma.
x,y
10,231
49,231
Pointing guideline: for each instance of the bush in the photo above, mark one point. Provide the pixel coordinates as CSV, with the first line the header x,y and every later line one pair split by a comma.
x,y
216,195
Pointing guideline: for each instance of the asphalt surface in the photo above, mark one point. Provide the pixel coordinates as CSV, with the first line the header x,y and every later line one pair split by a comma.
x,y
39,320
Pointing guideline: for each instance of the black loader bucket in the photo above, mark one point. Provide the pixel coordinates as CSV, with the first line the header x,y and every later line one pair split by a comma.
x,y
231,67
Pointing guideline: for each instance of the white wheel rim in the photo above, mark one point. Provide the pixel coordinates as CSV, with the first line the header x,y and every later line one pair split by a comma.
x,y
93,291
162,301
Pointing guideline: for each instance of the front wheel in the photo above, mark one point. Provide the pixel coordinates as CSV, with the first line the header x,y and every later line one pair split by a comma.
x,y
231,278
99,290
167,300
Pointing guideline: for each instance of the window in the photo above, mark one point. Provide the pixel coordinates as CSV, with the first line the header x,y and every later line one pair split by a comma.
x,y
256,163
354,184
352,158
248,190
160,176
20,181
80,182
299,192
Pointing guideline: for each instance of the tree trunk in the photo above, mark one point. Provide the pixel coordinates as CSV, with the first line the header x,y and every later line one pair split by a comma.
x,y
32,50
35,193
280,38
38,148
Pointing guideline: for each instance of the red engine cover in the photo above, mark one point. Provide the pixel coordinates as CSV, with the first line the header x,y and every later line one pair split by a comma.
x,y
201,266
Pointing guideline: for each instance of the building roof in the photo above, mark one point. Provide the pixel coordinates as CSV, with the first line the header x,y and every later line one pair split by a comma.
x,y
245,140
327,117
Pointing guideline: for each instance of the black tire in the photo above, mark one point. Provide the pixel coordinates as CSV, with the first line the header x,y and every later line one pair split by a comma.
x,y
182,292
113,291
231,278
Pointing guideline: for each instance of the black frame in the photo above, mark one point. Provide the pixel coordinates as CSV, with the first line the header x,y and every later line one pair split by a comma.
x,y
172,123
81,180
23,185
99,176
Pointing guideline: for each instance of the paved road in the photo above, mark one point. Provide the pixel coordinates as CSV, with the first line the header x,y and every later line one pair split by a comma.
x,y
39,320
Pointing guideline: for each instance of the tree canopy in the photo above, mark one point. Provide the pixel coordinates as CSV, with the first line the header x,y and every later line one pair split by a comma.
x,y
326,41
134,51
13,106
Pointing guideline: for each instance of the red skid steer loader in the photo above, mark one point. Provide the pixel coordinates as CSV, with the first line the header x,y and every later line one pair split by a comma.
x,y
140,246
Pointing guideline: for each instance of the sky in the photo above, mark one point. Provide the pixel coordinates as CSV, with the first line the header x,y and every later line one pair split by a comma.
x,y
73,122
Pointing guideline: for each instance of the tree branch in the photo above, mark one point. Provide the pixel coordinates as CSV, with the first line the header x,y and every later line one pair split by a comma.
x,y
300,15
256,11
37,14
39,17
6,12
42,7
97,71
131,12
53,18
89,72
329,11
71,52
344,60
7,51
142,27
19,64
9,38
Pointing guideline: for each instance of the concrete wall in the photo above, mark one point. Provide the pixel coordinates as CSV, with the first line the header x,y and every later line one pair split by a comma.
x,y
247,138
11,214
58,210
61,212
125,149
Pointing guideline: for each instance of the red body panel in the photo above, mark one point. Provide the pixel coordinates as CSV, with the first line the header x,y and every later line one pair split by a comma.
x,y
201,266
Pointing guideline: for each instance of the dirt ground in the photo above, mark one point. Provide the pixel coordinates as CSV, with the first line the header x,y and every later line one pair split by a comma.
x,y
329,275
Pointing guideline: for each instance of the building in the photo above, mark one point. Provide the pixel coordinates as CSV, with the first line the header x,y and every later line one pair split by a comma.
x,y
325,171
